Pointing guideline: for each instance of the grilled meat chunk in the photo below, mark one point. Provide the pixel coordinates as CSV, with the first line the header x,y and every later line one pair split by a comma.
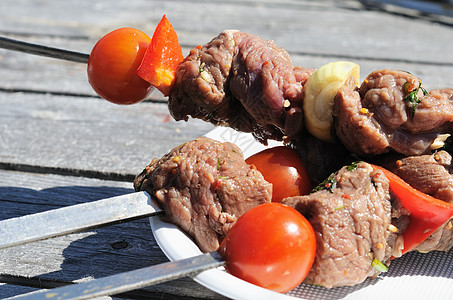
x,y
351,221
242,81
391,112
204,186
321,158
440,240
430,174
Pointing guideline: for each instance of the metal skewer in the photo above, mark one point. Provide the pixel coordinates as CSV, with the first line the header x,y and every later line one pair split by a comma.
x,y
76,218
131,280
16,45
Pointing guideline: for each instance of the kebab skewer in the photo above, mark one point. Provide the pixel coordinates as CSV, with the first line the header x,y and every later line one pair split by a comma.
x,y
217,82
250,84
362,216
247,83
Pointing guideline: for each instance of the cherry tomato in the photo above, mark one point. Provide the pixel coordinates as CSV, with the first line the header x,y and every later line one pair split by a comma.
x,y
113,64
284,168
272,245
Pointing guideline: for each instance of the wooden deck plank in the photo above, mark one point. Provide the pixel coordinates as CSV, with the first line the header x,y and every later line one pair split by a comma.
x,y
75,133
88,133
321,27
313,32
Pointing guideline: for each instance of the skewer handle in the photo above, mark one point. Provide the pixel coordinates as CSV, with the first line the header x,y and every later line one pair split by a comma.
x,y
16,45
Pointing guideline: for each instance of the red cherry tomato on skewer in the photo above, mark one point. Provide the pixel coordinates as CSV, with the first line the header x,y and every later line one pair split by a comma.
x,y
113,63
272,245
284,168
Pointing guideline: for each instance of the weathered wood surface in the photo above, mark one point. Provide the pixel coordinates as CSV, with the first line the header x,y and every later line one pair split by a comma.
x,y
69,146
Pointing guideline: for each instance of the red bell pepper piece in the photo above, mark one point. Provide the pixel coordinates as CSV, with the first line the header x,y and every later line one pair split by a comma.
x,y
426,213
162,57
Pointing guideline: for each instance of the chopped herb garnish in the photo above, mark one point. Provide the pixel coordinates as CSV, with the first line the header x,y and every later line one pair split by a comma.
x,y
340,207
211,115
223,177
218,163
353,165
201,68
326,184
378,265
316,284
448,145
412,99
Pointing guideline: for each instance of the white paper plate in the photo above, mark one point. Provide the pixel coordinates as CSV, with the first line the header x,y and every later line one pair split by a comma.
x,y
414,276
